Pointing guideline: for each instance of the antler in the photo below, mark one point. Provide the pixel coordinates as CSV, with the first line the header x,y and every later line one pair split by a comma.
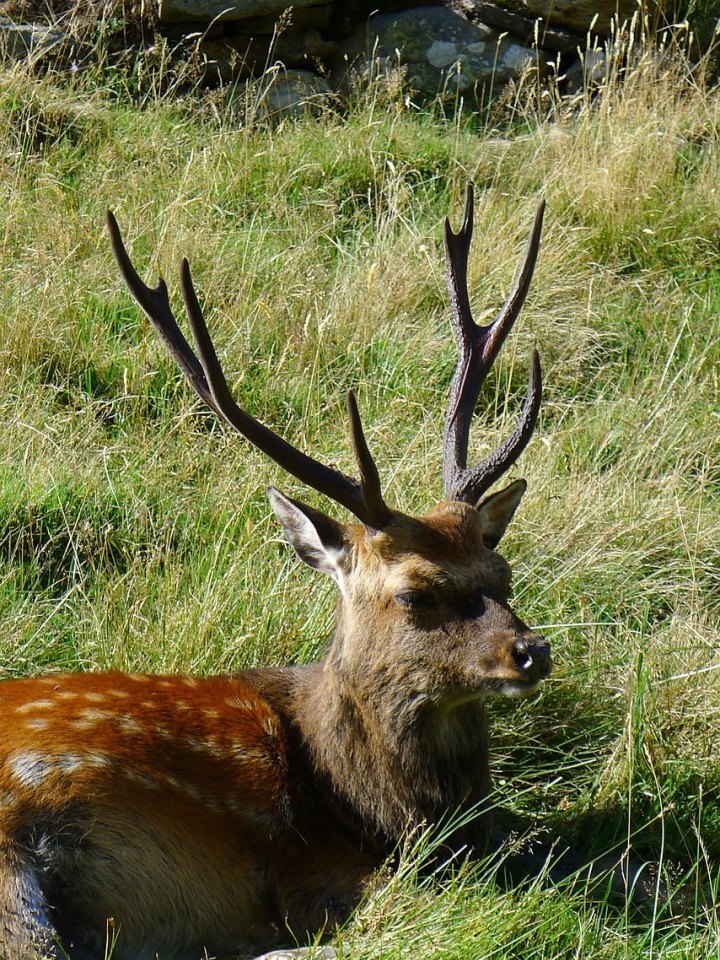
x,y
477,347
206,377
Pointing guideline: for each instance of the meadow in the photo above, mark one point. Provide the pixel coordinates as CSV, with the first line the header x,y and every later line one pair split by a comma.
x,y
135,532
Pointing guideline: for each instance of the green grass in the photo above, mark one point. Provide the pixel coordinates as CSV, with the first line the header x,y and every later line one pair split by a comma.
x,y
134,530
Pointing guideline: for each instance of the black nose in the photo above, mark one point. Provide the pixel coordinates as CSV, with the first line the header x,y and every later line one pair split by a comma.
x,y
532,656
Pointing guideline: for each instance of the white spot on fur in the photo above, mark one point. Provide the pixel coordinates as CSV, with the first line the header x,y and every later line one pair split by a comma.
x,y
37,723
35,705
30,768
65,695
98,760
119,693
69,762
91,715
94,697
129,725
82,724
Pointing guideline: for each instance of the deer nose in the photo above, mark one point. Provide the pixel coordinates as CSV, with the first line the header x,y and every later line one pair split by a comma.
x,y
532,656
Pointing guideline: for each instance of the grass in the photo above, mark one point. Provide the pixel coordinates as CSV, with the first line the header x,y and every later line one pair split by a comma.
x,y
134,530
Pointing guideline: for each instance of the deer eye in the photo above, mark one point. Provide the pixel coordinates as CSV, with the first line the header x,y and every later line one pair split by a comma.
x,y
416,599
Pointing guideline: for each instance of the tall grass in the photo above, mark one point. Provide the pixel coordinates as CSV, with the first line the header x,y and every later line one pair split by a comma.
x,y
134,529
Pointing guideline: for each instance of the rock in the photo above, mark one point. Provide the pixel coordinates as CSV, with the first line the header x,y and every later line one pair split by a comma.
x,y
582,16
445,53
20,40
590,70
529,30
206,11
280,94
238,55
301,953
183,30
303,18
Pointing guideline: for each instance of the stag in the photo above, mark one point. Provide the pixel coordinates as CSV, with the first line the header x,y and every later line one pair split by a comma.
x,y
230,814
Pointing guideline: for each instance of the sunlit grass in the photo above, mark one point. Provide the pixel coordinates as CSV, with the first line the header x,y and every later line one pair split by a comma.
x,y
134,530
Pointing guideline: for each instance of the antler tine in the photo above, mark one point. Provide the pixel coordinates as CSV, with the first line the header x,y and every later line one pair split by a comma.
x,y
478,347
476,481
156,306
208,380
369,476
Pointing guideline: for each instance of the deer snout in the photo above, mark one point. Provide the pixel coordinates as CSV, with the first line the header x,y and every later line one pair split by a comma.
x,y
532,656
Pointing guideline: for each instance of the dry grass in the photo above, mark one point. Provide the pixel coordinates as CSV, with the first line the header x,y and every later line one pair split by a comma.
x,y
134,531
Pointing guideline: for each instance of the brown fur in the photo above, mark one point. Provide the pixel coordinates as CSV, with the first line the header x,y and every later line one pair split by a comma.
x,y
233,813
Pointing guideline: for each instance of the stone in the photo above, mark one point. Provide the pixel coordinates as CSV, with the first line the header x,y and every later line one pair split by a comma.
x,y
299,18
582,16
529,30
443,53
301,953
183,30
589,70
281,94
237,55
207,11
32,40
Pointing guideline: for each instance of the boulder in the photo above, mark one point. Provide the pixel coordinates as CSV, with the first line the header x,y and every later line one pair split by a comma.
x,y
530,30
590,70
33,40
311,18
239,55
583,16
181,31
281,94
206,11
443,53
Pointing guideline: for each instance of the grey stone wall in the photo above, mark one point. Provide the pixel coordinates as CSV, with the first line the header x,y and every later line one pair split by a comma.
x,y
465,49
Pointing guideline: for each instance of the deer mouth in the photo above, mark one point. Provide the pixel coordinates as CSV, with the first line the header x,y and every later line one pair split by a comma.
x,y
519,689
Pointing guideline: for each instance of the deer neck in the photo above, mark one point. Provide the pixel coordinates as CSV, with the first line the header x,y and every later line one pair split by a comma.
x,y
395,759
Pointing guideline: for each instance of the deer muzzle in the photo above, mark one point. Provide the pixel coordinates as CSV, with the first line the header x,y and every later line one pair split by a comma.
x,y
532,657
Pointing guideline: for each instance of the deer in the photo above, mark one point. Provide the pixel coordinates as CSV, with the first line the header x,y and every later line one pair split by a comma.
x,y
182,817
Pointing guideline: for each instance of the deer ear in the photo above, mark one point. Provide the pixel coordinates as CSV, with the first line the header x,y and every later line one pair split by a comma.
x,y
317,539
498,510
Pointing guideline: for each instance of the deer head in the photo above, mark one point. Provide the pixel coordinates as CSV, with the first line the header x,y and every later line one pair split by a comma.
x,y
424,618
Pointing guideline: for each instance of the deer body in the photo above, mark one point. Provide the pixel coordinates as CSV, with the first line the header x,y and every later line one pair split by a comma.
x,y
181,814
229,814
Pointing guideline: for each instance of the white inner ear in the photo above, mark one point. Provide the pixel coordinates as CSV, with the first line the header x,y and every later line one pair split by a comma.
x,y
303,535
312,550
